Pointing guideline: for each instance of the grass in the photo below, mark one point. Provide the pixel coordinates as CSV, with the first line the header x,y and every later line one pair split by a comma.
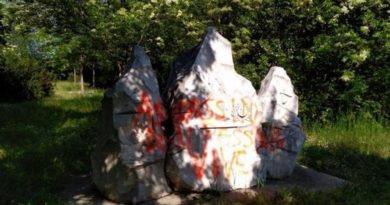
x,y
44,141
354,147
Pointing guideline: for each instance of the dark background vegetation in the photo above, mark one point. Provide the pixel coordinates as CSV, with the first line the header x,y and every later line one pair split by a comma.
x,y
336,52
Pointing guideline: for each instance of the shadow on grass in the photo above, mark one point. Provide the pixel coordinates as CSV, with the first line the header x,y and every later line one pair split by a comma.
x,y
43,142
347,163
369,176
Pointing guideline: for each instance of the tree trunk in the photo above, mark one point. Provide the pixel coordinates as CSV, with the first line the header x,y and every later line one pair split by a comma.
x,y
93,76
74,75
119,68
81,74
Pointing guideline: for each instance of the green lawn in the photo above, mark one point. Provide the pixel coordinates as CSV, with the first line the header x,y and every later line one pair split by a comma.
x,y
356,148
42,142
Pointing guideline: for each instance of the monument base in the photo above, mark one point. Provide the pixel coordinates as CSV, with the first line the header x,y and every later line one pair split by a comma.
x,y
81,190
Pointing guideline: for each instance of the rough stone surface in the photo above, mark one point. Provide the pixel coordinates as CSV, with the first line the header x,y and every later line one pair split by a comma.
x,y
128,160
213,112
282,137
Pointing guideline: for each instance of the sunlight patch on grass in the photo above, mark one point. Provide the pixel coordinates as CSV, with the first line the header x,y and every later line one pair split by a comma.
x,y
69,90
369,136
3,153
43,141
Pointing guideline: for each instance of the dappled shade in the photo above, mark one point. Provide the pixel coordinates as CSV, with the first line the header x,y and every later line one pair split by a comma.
x,y
213,112
128,161
212,133
283,134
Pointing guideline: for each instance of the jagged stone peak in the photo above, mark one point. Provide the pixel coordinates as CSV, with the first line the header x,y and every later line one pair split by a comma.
x,y
141,59
215,49
277,81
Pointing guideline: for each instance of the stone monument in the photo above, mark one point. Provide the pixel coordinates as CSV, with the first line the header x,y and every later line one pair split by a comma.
x,y
224,135
213,111
282,137
128,160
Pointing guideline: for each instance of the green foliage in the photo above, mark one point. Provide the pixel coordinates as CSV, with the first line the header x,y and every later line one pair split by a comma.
x,y
24,67
23,77
24,85
336,52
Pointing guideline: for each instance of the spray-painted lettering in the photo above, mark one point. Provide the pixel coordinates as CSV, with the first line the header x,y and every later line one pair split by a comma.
x,y
193,119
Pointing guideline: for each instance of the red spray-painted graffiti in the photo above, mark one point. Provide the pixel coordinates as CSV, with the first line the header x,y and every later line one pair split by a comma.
x,y
183,112
192,120
216,167
274,140
149,115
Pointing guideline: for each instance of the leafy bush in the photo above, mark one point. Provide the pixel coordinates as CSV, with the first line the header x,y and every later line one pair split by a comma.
x,y
25,85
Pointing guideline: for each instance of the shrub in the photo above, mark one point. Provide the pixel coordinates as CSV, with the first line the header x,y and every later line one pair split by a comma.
x,y
20,85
